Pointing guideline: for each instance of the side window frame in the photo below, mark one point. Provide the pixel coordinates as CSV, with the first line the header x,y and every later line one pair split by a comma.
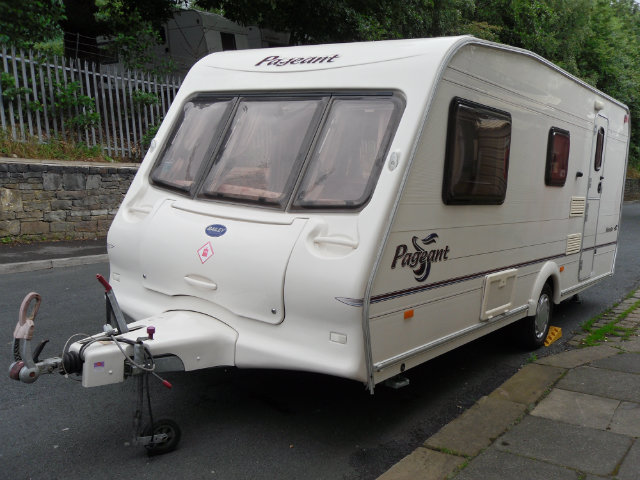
x,y
597,162
550,178
465,168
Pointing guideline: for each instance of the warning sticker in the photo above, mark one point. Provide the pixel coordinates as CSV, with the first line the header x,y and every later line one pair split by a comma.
x,y
205,252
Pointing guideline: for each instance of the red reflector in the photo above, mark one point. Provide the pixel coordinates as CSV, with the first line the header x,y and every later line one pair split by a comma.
x,y
626,118
167,384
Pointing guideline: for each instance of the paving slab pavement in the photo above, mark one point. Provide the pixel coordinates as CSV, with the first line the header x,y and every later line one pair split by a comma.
x,y
630,468
603,382
577,408
580,448
574,415
513,467
16,258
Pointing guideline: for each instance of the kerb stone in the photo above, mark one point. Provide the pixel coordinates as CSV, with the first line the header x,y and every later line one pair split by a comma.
x,y
529,384
423,464
476,428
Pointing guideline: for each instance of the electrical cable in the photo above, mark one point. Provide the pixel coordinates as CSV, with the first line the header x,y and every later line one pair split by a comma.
x,y
129,359
64,350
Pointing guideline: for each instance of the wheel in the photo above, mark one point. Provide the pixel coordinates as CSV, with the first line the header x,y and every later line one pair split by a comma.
x,y
168,427
534,330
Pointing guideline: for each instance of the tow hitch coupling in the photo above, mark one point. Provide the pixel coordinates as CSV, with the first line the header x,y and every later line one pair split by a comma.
x,y
27,366
159,436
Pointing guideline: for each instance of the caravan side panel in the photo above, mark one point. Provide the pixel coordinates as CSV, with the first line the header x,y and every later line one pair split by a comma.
x,y
489,261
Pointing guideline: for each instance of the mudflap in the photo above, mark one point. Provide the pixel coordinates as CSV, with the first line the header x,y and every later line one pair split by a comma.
x,y
182,340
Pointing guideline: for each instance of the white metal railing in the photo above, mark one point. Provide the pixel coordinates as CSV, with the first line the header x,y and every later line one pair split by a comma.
x,y
71,99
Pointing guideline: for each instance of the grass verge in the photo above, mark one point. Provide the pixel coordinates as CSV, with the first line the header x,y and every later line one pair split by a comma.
x,y
53,149
598,334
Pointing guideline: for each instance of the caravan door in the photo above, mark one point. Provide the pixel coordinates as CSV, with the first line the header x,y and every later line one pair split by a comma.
x,y
594,193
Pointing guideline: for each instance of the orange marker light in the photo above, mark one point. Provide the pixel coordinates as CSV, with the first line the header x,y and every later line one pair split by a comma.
x,y
408,314
562,268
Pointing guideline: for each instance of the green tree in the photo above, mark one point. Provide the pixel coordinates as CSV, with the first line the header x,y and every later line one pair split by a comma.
x,y
327,21
134,26
26,23
610,58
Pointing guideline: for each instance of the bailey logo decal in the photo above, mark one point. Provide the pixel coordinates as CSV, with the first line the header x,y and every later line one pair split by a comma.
x,y
421,259
216,230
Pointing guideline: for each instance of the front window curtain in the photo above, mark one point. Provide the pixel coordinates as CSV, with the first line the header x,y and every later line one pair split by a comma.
x,y
264,146
190,143
477,157
557,157
349,153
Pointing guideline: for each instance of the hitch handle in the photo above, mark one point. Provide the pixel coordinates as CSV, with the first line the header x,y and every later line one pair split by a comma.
x,y
113,303
25,326
104,283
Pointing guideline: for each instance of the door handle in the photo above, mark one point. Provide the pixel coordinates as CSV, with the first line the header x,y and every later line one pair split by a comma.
x,y
335,240
205,284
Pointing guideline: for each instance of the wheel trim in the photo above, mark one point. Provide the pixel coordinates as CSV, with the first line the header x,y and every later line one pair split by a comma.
x,y
542,316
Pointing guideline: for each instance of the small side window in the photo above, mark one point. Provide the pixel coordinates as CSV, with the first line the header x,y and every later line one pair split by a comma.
x,y
597,163
557,157
477,158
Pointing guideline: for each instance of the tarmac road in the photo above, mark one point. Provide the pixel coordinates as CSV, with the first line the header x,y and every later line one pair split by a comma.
x,y
246,424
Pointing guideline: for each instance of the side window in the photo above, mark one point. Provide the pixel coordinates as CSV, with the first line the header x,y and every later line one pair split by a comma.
x,y
477,157
557,157
597,164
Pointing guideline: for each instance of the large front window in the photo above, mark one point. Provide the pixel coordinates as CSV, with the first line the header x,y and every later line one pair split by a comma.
x,y
315,151
191,142
263,150
348,155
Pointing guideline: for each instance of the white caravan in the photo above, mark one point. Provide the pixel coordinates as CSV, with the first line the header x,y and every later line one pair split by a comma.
x,y
358,209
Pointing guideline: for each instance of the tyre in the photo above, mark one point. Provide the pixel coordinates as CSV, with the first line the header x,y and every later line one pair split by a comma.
x,y
533,330
169,428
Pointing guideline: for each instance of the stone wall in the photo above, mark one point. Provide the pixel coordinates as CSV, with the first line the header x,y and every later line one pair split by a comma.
x,y
56,200
632,189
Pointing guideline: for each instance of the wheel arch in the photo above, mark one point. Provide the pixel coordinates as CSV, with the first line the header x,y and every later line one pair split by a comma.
x,y
548,274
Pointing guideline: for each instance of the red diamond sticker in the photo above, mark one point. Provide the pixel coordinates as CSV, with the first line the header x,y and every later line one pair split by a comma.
x,y
205,252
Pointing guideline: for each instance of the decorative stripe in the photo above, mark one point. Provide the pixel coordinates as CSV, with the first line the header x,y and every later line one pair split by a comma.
x,y
358,302
422,288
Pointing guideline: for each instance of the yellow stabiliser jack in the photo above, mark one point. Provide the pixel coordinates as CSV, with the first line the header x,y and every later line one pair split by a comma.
x,y
554,334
